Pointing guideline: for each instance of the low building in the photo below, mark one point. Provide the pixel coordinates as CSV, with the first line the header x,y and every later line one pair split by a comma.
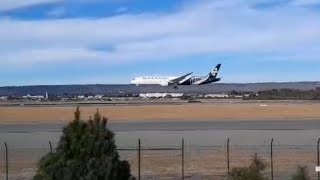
x,y
3,98
36,97
216,95
98,97
90,97
160,95
80,97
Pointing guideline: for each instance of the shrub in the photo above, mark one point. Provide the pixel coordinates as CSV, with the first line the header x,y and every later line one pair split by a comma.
x,y
301,174
252,172
86,151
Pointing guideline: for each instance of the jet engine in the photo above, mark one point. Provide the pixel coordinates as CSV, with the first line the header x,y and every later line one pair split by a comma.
x,y
164,84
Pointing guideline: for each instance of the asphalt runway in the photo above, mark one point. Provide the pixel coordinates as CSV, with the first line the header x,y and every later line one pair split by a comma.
x,y
139,102
174,126
169,134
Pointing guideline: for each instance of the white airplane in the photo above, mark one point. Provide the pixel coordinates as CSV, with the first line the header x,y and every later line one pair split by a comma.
x,y
159,80
175,81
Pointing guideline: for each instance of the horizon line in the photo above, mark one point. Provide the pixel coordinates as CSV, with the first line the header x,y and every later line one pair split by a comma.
x,y
123,84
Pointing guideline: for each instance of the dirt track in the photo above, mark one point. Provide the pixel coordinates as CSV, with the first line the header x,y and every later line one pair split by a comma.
x,y
212,112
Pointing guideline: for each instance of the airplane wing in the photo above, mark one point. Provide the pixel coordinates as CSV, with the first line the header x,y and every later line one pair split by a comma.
x,y
177,80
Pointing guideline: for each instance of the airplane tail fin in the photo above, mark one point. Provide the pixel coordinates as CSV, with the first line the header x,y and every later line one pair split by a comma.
x,y
215,71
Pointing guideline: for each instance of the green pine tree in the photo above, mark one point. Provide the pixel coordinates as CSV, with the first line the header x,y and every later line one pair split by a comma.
x,y
86,151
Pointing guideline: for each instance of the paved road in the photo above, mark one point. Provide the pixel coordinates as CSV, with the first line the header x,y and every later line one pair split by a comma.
x,y
149,102
175,126
170,133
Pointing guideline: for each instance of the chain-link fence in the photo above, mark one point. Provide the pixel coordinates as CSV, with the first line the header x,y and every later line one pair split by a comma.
x,y
181,161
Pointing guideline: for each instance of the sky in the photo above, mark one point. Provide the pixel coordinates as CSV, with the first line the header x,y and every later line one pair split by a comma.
x,y
49,42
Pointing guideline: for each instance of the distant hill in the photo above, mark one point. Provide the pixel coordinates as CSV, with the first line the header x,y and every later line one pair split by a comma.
x,y
116,90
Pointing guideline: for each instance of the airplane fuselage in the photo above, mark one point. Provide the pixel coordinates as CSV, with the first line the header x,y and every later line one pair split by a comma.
x,y
191,80
153,80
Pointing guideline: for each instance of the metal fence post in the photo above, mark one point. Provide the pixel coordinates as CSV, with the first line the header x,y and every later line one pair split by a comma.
x,y
182,158
271,158
7,161
139,159
318,157
50,145
228,155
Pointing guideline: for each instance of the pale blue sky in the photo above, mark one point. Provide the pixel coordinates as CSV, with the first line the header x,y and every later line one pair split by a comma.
x,y
112,41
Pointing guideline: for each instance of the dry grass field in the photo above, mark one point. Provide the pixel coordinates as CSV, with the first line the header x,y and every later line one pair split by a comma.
x,y
200,163
212,112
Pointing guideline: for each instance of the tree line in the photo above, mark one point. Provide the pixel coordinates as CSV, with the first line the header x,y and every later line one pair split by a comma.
x,y
286,94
